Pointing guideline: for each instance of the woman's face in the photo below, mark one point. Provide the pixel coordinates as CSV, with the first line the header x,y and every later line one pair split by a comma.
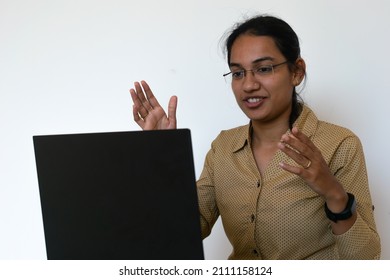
x,y
263,95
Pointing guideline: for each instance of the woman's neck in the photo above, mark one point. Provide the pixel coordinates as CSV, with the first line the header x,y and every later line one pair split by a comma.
x,y
268,133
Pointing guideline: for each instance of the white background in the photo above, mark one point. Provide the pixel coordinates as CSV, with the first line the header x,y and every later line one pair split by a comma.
x,y
66,67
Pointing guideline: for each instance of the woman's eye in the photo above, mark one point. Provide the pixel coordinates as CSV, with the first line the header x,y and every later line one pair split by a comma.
x,y
238,74
264,69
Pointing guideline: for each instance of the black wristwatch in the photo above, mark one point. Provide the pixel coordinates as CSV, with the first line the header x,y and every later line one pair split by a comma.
x,y
346,214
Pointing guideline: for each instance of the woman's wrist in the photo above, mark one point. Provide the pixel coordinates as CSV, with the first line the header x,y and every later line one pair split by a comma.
x,y
337,199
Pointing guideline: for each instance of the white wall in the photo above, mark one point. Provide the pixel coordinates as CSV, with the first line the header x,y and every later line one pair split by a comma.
x,y
66,67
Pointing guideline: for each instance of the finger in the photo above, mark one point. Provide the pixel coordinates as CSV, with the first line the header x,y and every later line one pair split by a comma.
x,y
138,105
293,169
149,95
137,117
139,91
295,155
135,98
142,96
303,138
297,144
172,106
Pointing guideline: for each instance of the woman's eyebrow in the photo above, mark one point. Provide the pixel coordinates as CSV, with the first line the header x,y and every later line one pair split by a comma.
x,y
260,59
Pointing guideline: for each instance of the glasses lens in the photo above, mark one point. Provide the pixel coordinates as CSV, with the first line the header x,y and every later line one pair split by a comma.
x,y
264,70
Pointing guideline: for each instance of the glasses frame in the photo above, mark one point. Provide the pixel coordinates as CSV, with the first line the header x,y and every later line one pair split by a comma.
x,y
254,71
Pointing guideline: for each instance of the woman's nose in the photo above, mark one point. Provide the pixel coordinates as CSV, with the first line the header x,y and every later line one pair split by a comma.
x,y
250,82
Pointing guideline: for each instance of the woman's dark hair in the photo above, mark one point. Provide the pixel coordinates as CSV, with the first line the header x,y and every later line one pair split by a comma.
x,y
285,39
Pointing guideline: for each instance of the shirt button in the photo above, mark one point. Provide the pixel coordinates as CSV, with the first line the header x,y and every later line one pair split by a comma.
x,y
252,218
254,252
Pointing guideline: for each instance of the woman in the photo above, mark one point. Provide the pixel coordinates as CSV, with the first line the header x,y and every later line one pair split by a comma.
x,y
286,185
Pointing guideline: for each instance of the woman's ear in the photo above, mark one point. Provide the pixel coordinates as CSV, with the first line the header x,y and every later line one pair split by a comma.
x,y
299,71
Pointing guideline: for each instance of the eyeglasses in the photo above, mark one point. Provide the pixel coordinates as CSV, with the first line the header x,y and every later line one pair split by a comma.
x,y
261,71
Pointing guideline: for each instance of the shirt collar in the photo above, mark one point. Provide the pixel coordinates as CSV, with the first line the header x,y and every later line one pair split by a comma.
x,y
307,121
243,137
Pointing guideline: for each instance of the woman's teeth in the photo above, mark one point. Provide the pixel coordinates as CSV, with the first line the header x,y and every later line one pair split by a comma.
x,y
254,100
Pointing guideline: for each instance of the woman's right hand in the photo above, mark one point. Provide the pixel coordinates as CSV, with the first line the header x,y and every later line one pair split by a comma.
x,y
148,113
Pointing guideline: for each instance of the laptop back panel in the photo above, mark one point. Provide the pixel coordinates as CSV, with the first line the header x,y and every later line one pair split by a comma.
x,y
119,195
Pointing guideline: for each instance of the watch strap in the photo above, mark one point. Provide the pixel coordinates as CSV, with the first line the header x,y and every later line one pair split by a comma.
x,y
346,213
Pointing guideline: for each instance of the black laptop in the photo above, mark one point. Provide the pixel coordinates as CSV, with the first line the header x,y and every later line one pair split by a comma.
x,y
119,195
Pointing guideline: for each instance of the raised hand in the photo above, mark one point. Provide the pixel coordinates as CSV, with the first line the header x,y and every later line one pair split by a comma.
x,y
148,113
314,170
311,164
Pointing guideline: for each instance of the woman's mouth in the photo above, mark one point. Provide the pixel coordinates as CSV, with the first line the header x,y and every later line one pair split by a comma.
x,y
254,101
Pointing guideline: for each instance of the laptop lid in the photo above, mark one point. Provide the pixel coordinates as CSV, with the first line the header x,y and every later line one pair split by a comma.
x,y
119,195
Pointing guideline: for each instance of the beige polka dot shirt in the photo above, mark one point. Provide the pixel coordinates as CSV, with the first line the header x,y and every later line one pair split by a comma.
x,y
276,215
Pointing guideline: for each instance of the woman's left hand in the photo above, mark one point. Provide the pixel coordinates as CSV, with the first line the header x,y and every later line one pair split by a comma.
x,y
311,167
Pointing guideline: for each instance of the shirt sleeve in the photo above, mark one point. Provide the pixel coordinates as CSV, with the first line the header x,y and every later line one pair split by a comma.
x,y
206,195
361,241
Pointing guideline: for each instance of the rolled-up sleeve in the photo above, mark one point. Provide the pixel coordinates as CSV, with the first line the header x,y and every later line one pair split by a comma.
x,y
361,241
